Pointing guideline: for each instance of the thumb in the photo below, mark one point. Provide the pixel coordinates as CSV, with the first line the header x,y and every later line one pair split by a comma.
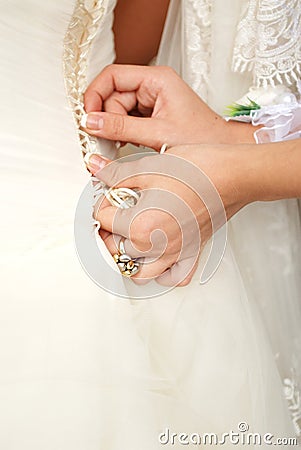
x,y
115,173
117,127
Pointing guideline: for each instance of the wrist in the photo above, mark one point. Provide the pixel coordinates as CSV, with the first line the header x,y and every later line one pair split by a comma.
x,y
239,168
277,168
252,172
237,172
229,167
243,174
238,132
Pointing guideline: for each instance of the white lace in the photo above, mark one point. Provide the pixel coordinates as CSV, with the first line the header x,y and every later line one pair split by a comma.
x,y
268,42
292,395
197,36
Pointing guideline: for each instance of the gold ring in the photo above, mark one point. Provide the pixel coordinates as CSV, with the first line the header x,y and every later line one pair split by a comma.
x,y
128,266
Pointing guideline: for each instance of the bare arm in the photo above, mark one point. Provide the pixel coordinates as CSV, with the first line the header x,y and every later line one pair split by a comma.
x,y
138,27
241,174
276,174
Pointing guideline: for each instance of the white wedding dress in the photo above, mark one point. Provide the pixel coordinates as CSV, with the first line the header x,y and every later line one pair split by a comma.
x,y
82,369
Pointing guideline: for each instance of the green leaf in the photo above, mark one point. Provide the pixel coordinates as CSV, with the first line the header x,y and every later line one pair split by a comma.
x,y
236,109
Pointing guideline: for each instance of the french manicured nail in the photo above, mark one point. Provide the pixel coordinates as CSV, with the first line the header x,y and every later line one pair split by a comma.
x,y
92,121
95,161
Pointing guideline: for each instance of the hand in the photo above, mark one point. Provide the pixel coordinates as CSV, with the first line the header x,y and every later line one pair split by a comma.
x,y
152,106
176,206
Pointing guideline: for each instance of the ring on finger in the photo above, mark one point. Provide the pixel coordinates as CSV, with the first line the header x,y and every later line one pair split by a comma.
x,y
127,265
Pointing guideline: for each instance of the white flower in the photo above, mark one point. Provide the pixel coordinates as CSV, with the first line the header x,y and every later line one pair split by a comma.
x,y
266,96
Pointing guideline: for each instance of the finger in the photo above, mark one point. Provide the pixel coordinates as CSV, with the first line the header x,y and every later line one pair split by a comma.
x,y
95,163
112,241
101,202
129,174
104,234
115,220
180,274
92,101
115,173
120,103
150,268
122,78
148,131
120,221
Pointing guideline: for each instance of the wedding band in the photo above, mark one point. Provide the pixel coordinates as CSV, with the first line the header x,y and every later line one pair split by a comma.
x,y
128,266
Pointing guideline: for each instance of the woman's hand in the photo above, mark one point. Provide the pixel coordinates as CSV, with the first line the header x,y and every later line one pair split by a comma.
x,y
186,195
179,197
151,106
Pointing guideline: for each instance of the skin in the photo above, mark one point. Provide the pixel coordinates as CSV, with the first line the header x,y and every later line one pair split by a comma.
x,y
138,26
242,174
170,111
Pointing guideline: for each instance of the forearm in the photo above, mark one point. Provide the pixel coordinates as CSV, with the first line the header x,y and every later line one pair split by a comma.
x,y
138,26
243,174
272,171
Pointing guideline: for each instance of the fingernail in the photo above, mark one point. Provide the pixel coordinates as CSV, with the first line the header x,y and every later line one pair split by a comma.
x,y
91,121
95,161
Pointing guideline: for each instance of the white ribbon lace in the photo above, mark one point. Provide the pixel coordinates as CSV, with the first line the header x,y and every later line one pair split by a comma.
x,y
268,42
82,29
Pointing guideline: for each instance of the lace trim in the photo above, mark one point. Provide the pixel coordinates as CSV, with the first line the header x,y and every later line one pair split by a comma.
x,y
268,42
197,37
82,29
292,395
